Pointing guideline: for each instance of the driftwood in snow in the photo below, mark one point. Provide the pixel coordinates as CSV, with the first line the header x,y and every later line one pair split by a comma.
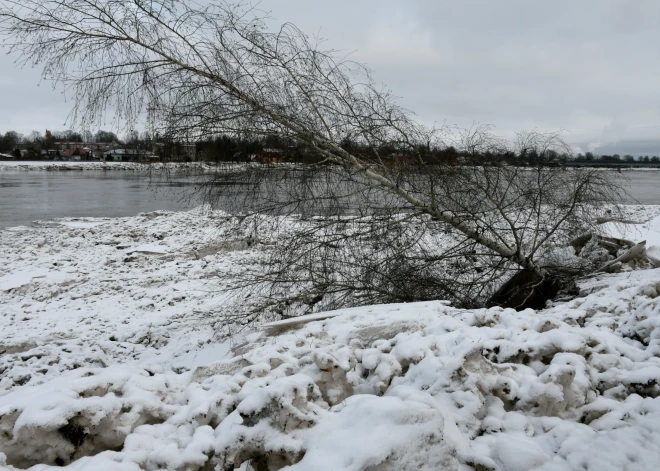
x,y
604,220
616,240
637,252
611,247
611,244
279,327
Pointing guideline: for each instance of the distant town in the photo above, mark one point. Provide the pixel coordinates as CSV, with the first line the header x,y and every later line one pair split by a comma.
x,y
102,146
107,147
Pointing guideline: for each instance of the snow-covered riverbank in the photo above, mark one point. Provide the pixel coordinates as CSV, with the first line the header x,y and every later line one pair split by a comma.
x,y
112,282
70,165
111,352
63,166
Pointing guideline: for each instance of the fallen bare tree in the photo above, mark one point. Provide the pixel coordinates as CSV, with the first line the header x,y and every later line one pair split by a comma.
x,y
396,225
380,251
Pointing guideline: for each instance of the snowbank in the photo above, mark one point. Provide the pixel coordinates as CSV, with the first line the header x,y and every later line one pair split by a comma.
x,y
107,364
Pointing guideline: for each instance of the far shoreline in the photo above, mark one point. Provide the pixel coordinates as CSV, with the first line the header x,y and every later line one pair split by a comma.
x,y
70,166
99,165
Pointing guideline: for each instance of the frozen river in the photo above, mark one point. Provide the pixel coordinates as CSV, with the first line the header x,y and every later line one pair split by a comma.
x,y
27,196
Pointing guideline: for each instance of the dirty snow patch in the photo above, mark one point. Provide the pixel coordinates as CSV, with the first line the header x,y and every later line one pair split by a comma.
x,y
82,224
151,248
18,279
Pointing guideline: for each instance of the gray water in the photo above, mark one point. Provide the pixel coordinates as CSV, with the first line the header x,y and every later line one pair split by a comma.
x,y
38,195
644,186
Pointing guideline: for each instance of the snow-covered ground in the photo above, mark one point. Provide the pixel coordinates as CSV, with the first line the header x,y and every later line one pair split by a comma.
x,y
114,356
112,288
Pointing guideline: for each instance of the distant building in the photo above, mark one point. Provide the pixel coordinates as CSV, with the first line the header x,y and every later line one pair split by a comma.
x,y
268,156
51,154
90,150
84,153
127,155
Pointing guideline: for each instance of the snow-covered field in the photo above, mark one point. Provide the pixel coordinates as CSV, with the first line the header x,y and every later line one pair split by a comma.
x,y
114,356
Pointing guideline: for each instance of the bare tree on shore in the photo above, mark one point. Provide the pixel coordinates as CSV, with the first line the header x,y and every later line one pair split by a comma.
x,y
195,71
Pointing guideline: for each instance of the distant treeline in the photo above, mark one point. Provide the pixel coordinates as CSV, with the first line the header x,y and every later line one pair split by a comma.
x,y
616,158
232,149
227,148
273,148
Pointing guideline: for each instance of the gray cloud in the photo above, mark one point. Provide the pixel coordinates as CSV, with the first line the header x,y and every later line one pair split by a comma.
x,y
588,67
637,147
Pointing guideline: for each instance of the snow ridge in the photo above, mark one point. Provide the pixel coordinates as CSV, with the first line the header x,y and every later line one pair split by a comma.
x,y
419,386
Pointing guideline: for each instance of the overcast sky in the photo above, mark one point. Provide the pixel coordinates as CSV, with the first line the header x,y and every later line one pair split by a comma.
x,y
591,67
